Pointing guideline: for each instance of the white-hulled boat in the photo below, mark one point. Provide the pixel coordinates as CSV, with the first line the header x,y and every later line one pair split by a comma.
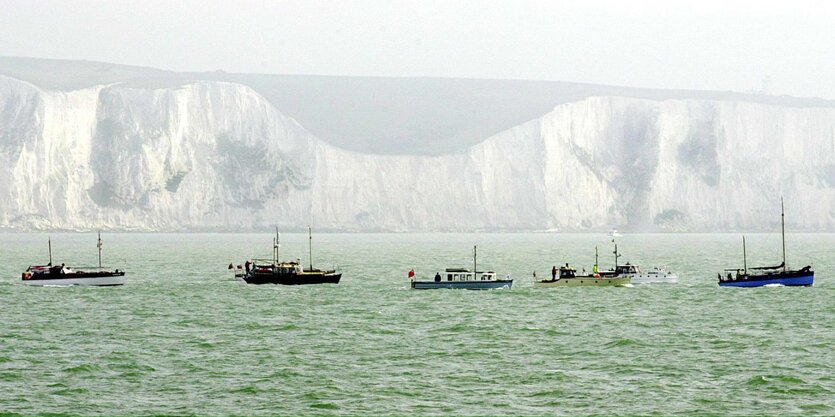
x,y
62,275
657,275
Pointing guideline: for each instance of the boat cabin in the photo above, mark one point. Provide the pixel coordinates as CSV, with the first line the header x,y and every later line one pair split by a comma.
x,y
567,272
461,274
627,269
49,269
287,267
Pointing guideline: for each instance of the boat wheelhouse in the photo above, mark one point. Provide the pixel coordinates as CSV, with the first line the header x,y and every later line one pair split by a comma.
x,y
461,278
62,275
768,275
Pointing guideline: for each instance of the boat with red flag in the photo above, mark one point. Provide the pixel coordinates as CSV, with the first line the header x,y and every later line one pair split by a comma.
x,y
275,271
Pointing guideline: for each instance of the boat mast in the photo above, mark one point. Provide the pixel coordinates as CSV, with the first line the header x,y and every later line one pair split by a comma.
x,y
595,260
616,256
783,224
49,239
744,256
475,255
277,245
99,246
310,246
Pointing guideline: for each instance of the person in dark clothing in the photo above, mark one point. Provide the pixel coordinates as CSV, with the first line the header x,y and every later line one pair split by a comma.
x,y
554,273
437,277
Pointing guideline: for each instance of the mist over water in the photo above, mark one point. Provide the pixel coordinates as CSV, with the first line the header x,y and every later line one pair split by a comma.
x,y
183,337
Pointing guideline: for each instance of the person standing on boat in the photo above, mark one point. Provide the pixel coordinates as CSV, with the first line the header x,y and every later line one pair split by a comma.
x,y
437,277
412,273
246,265
554,273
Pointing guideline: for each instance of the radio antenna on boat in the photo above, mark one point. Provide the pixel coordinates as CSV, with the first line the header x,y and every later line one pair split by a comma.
x,y
98,245
49,240
310,246
783,224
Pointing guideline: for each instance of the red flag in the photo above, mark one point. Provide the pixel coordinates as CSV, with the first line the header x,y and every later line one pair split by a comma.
x,y
411,273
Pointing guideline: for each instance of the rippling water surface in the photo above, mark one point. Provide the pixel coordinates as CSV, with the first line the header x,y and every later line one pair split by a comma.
x,y
183,337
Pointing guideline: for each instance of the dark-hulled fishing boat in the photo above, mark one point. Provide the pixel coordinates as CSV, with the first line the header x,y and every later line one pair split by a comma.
x,y
273,271
62,275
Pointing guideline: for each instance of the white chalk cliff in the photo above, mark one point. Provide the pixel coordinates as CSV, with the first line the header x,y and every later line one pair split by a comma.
x,y
210,155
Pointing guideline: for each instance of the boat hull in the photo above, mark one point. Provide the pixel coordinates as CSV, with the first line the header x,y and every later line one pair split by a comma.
x,y
95,279
584,282
654,278
462,285
292,279
790,279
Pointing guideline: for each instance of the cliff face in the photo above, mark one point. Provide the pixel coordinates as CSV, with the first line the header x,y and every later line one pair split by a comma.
x,y
694,165
218,156
206,155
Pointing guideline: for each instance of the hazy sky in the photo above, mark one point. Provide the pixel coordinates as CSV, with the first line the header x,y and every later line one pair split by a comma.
x,y
724,45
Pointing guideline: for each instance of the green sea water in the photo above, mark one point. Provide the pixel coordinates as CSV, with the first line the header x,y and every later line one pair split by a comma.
x,y
183,337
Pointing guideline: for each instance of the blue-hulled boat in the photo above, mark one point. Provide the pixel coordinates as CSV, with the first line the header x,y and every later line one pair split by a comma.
x,y
769,275
460,278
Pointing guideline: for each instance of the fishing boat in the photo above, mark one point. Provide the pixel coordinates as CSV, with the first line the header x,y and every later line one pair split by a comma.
x,y
63,275
567,276
768,275
274,271
462,278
